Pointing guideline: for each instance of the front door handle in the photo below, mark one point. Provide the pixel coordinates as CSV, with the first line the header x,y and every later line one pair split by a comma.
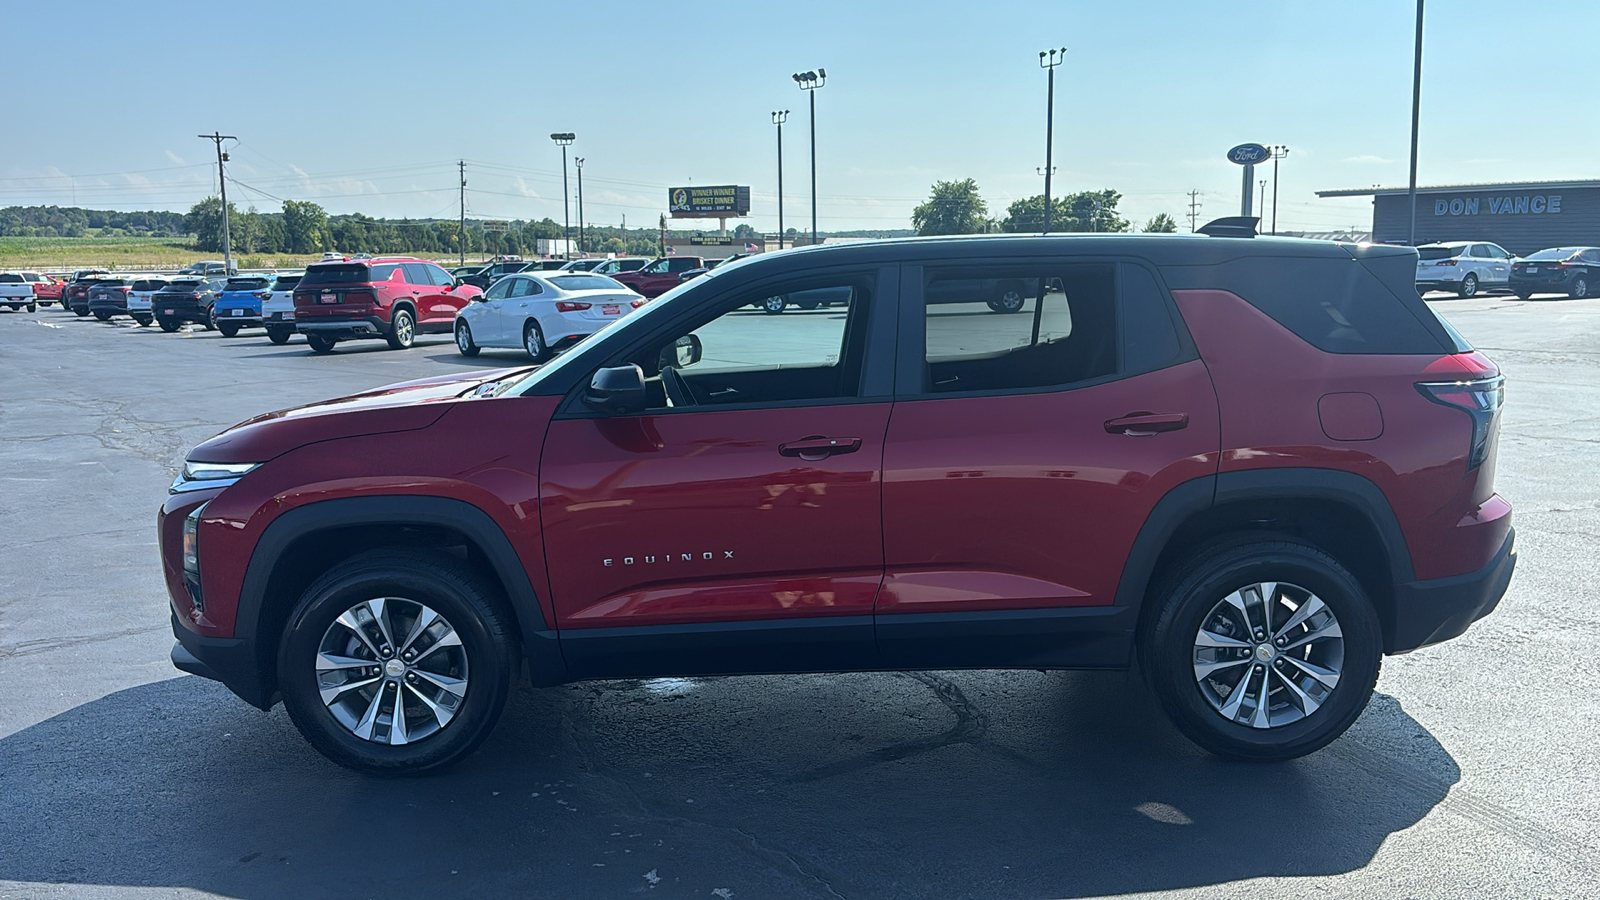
x,y
818,447
1146,424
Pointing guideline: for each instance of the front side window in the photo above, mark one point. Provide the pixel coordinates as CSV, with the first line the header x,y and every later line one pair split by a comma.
x,y
748,356
1018,329
657,267
499,290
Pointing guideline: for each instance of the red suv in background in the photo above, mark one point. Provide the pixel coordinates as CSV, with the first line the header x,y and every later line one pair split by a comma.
x,y
1257,464
660,275
394,298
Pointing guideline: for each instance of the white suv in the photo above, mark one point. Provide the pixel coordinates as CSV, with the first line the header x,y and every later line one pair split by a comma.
x,y
1464,267
277,309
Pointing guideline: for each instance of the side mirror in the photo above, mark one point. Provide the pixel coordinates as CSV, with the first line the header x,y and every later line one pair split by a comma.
x,y
619,391
681,353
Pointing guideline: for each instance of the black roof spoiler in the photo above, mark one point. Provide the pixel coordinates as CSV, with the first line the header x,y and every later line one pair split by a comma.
x,y
1231,226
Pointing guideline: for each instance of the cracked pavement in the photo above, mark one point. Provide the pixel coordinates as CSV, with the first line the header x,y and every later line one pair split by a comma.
x,y
1471,774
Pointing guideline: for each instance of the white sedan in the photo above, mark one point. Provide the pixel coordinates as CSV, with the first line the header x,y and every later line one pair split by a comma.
x,y
542,312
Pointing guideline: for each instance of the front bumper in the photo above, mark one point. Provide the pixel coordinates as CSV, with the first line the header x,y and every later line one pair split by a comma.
x,y
1428,612
227,660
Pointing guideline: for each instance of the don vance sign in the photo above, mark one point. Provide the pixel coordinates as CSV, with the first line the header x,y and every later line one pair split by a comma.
x,y
1529,204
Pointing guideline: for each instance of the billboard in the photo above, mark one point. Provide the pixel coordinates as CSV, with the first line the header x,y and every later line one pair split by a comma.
x,y
719,201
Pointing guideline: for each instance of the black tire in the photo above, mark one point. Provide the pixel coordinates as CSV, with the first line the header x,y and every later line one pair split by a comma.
x,y
1523,295
80,313
1189,596
102,315
1469,286
279,335
321,343
1579,288
808,306
775,305
402,330
142,321
168,325
210,320
228,329
534,343
464,343
1008,297
33,307
470,604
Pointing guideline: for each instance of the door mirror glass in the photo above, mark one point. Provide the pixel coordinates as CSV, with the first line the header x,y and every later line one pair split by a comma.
x,y
682,353
619,391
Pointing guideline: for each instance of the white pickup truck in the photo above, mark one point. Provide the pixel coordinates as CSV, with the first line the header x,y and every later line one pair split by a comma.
x,y
17,292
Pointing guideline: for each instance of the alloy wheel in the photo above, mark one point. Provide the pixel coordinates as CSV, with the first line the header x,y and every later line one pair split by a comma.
x,y
1469,285
392,671
1268,655
1580,287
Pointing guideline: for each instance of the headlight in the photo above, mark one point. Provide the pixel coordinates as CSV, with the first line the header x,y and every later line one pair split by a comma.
x,y
201,476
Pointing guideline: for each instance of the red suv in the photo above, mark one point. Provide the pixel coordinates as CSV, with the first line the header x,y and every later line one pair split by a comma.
x,y
661,275
1257,465
394,298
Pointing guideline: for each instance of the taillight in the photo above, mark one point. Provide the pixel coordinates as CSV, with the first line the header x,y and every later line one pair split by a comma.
x,y
571,306
1447,262
635,303
263,295
1481,399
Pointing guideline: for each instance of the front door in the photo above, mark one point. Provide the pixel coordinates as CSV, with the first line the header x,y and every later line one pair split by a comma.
x,y
1030,442
735,525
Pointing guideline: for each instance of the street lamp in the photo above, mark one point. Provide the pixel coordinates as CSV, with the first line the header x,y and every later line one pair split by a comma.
x,y
1278,151
778,118
809,82
564,140
1416,109
1048,60
578,161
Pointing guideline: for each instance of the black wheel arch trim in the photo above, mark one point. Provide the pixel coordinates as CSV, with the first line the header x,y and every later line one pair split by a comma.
x,y
540,647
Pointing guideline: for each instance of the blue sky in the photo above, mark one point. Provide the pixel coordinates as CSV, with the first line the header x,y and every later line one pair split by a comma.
x,y
367,106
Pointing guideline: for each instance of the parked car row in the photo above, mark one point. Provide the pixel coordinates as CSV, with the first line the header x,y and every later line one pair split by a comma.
x,y
1468,267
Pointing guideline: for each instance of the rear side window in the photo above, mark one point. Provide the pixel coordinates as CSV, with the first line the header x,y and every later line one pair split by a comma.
x,y
1333,304
384,272
339,273
1011,329
1150,338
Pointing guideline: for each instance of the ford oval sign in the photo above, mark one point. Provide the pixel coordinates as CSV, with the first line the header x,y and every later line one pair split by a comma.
x,y
1248,154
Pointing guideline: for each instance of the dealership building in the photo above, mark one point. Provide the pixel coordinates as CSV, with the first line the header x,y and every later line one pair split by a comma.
x,y
1522,216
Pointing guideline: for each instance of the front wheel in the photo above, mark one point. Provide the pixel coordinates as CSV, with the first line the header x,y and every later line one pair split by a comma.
x,y
1008,298
397,662
402,330
775,305
321,343
464,341
1262,649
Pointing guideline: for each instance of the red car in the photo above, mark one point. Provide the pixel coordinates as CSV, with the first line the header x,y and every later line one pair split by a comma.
x,y
660,275
45,287
1257,465
393,297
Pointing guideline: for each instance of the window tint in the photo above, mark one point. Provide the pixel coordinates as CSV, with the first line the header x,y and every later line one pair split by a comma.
x,y
683,264
657,267
1334,304
1150,339
1591,256
417,273
1497,252
384,272
586,283
440,277
750,356
8,278
499,290
340,273
245,284
1438,252
1015,329
147,286
285,282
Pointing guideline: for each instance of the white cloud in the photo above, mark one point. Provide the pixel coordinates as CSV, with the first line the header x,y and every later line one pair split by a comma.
x,y
1367,159
176,158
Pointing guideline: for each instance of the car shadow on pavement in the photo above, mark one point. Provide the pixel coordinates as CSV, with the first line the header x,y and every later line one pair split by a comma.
x,y
1009,784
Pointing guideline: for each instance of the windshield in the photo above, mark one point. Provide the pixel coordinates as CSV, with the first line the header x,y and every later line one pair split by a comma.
x,y
1553,253
1439,252
585,283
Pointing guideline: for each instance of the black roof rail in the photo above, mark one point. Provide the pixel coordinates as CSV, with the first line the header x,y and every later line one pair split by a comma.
x,y
1231,226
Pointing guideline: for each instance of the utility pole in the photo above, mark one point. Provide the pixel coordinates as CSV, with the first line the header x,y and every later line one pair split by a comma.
x,y
810,82
578,161
1279,151
1416,110
1048,60
1094,217
1194,209
461,237
222,188
778,118
564,140
1263,204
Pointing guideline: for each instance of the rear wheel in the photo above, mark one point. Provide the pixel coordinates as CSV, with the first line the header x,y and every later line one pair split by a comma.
x,y
279,335
228,329
1008,298
1469,286
464,340
80,313
1580,287
1262,649
533,342
168,325
402,330
321,343
397,662
775,305
102,315
33,307
1523,295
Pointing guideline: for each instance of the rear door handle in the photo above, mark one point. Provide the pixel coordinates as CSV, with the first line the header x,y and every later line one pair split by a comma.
x,y
1145,424
818,447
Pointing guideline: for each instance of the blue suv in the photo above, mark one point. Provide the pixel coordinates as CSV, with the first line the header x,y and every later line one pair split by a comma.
x,y
239,304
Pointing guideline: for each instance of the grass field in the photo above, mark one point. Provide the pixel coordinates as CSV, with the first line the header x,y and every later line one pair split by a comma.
x,y
125,254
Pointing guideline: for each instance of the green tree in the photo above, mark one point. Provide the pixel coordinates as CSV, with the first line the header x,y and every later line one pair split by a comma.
x,y
305,224
953,208
1161,224
1074,212
204,221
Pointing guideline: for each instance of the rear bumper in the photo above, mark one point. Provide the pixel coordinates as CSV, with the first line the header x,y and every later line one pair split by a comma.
x,y
181,310
110,306
1540,285
226,660
343,328
1428,612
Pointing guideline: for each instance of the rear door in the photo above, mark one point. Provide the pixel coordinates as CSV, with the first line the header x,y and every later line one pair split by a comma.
x,y
735,525
1026,451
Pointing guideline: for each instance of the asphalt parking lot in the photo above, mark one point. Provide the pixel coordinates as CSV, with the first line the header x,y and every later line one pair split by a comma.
x,y
1472,773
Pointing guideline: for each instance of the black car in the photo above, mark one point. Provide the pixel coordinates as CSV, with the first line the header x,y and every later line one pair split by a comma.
x,y
75,296
108,297
492,272
1573,271
186,300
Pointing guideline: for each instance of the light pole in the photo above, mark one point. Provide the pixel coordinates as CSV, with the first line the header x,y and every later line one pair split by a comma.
x,y
578,161
1279,151
810,82
1048,60
222,188
564,140
778,118
1263,203
1416,109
